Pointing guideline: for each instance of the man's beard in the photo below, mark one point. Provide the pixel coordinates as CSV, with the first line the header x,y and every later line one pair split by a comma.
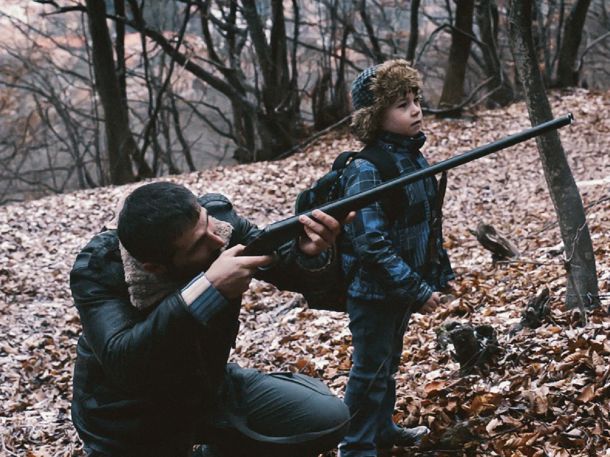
x,y
222,229
185,274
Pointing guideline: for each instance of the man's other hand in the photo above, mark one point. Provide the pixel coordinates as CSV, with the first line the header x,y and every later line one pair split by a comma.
x,y
431,304
231,273
321,232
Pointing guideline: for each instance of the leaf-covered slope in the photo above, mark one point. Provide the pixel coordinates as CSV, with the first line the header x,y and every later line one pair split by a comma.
x,y
548,392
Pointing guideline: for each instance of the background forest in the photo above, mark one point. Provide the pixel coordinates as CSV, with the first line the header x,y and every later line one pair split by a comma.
x,y
95,93
542,387
251,99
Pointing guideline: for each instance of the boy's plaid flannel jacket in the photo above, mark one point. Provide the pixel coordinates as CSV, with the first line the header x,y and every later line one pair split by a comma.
x,y
391,255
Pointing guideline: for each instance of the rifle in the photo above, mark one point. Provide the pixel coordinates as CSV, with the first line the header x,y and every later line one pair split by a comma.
x,y
278,233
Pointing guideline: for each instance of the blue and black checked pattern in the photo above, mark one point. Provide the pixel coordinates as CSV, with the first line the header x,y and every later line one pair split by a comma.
x,y
362,95
391,255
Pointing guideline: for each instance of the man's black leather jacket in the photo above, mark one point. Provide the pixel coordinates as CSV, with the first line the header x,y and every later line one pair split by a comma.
x,y
143,378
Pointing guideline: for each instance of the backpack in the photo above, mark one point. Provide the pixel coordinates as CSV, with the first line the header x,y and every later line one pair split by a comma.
x,y
328,187
328,290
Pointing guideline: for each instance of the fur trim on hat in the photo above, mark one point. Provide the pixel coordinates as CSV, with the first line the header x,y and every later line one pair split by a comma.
x,y
392,80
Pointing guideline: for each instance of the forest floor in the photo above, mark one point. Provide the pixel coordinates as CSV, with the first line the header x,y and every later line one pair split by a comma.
x,y
546,393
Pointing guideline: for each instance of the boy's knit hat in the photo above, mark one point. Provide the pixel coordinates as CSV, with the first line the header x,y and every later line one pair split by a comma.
x,y
376,89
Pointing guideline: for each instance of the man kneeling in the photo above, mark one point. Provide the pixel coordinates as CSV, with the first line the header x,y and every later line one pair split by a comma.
x,y
159,302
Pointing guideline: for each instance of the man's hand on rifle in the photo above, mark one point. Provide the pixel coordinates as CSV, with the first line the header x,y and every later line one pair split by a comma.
x,y
231,272
321,232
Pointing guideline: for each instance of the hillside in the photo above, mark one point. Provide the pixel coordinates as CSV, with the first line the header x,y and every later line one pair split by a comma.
x,y
547,393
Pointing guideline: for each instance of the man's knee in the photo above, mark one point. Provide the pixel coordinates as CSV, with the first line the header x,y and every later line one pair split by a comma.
x,y
336,421
326,420
331,412
288,411
296,403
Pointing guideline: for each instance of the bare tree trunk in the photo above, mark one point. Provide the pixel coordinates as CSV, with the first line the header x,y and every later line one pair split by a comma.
x,y
414,31
580,262
175,112
278,118
487,19
453,88
378,55
120,142
119,47
243,132
567,73
330,101
149,132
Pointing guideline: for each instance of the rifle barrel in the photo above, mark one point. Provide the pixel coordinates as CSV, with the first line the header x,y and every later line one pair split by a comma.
x,y
278,233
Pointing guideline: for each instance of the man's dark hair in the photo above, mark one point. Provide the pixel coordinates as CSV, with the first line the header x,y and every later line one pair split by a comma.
x,y
153,217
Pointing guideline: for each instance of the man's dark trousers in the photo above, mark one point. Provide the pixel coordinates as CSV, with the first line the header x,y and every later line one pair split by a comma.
x,y
276,414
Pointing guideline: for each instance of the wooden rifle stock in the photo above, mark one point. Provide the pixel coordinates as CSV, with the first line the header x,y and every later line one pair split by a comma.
x,y
278,233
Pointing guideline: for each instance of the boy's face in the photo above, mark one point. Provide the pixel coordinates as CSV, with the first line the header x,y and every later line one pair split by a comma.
x,y
404,116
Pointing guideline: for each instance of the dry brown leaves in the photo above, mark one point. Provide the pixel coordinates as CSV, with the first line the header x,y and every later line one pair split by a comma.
x,y
547,395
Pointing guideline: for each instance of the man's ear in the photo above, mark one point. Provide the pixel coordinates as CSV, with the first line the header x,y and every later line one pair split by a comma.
x,y
154,268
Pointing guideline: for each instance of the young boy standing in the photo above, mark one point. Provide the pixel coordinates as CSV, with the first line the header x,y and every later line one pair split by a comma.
x,y
385,255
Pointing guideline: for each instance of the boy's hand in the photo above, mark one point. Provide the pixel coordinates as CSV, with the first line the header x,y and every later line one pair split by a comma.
x,y
431,304
321,232
231,273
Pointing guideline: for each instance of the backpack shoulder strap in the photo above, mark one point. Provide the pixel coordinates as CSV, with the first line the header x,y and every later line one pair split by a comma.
x,y
385,164
342,160
383,161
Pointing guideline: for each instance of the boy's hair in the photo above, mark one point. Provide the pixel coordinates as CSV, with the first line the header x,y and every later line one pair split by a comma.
x,y
375,90
152,219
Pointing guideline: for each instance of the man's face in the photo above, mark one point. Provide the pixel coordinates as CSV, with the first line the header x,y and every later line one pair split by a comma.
x,y
404,116
196,248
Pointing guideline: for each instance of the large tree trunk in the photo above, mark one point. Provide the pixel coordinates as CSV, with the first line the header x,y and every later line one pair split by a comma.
x,y
500,87
580,262
120,143
567,75
453,88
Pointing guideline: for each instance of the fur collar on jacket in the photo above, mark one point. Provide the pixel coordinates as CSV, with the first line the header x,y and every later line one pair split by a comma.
x,y
147,289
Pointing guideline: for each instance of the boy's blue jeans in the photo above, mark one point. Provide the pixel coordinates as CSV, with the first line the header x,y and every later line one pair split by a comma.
x,y
377,329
